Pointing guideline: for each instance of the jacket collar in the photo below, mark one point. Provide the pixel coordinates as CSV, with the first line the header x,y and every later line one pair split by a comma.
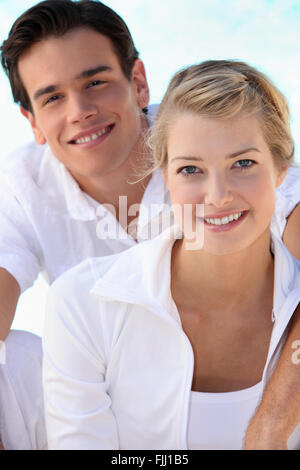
x,y
147,283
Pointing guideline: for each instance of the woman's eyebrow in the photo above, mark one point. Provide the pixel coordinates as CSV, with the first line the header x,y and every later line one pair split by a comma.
x,y
241,152
231,155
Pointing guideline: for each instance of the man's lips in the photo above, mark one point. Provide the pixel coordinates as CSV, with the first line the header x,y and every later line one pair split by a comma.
x,y
91,135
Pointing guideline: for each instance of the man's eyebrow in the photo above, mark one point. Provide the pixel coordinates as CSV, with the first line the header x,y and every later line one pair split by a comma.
x,y
84,74
90,72
232,155
45,91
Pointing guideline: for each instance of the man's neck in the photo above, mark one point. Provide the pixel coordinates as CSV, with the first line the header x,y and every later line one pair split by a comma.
x,y
109,189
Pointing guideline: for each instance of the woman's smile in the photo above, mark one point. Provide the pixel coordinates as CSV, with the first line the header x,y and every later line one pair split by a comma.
x,y
225,223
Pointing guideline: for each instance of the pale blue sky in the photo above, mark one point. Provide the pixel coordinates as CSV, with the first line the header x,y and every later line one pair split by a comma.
x,y
170,34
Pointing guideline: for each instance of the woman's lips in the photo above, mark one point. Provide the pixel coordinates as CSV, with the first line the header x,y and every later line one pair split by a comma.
x,y
225,223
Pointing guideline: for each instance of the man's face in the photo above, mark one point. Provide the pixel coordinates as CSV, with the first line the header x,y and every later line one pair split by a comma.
x,y
82,103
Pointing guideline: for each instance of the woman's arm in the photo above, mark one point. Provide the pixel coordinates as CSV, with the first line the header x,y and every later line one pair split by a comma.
x,y
279,411
77,405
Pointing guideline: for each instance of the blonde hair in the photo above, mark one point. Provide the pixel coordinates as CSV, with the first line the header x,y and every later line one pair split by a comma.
x,y
222,89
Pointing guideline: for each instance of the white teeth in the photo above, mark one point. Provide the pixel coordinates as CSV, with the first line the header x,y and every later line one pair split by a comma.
x,y
88,138
224,220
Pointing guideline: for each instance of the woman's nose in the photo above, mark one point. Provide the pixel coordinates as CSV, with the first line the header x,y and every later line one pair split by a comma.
x,y
218,192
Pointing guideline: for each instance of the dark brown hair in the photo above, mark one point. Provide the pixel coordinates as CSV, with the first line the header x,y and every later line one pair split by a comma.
x,y
56,18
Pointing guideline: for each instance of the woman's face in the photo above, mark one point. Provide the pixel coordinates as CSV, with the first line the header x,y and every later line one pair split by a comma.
x,y
226,165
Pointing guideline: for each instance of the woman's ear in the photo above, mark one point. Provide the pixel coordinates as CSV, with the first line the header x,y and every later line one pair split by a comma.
x,y
281,175
37,132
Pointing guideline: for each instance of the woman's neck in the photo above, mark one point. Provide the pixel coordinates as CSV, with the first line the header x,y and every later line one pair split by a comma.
x,y
230,283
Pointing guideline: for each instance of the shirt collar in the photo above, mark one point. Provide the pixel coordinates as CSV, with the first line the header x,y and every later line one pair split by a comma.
x,y
79,205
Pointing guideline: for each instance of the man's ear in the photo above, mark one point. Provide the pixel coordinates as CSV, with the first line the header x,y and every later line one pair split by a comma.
x,y
138,77
38,135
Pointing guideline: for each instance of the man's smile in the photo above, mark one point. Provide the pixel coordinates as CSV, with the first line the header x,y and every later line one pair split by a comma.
x,y
91,136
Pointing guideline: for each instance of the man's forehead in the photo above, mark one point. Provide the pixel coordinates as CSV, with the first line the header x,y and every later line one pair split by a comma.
x,y
78,42
80,53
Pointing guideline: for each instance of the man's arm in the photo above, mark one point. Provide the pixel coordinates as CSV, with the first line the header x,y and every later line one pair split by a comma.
x,y
9,296
279,411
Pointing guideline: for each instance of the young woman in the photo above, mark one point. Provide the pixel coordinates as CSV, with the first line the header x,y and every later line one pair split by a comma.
x,y
170,344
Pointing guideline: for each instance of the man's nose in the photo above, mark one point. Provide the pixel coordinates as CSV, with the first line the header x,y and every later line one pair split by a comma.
x,y
80,109
218,191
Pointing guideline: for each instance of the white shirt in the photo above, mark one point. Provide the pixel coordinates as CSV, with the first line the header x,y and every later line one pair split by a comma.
x,y
217,421
22,423
287,197
118,367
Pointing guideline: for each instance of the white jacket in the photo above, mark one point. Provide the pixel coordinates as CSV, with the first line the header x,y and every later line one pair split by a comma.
x,y
118,367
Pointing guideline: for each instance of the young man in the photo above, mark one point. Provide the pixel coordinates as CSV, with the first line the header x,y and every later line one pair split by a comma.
x,y
76,74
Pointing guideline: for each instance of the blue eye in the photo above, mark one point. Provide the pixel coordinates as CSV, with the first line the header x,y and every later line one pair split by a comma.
x,y
189,170
244,164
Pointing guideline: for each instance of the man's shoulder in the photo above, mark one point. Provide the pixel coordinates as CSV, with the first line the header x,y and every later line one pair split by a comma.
x,y
25,160
23,153
84,274
72,292
32,174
